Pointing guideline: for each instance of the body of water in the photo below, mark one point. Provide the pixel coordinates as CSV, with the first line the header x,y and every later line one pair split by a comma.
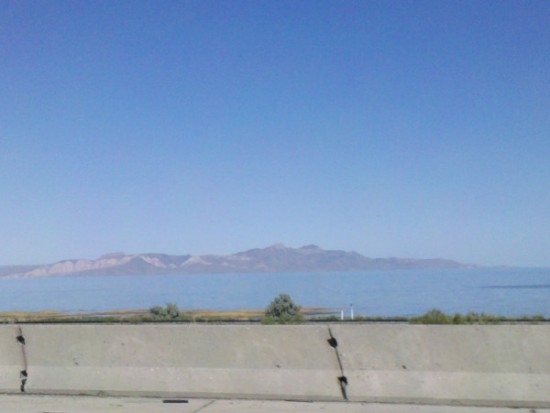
x,y
508,292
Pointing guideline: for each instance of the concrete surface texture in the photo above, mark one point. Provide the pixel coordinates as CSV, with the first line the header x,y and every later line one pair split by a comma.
x,y
480,365
192,360
442,366
91,404
11,360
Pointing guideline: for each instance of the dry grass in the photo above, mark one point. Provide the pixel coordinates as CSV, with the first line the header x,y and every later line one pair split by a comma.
x,y
233,315
26,316
56,315
237,315
245,315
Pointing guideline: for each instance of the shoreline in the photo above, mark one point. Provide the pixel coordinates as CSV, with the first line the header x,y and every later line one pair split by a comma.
x,y
312,315
132,314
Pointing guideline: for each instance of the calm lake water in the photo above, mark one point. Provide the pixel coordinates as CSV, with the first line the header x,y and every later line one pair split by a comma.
x,y
510,292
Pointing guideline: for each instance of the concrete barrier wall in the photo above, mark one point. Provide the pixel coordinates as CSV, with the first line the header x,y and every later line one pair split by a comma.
x,y
182,360
11,360
479,365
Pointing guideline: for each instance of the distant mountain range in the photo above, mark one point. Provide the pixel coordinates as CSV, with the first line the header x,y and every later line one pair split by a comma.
x,y
277,258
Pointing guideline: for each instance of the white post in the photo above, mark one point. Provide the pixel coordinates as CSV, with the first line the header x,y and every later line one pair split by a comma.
x,y
342,313
351,311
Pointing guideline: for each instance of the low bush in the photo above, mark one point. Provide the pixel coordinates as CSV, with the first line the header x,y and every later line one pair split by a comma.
x,y
169,312
436,316
282,310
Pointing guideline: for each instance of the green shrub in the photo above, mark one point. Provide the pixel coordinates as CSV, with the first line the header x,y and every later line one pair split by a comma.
x,y
158,311
458,319
282,310
482,318
434,316
170,312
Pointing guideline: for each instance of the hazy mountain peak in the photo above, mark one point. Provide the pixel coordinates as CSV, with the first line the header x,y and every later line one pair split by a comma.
x,y
276,258
310,247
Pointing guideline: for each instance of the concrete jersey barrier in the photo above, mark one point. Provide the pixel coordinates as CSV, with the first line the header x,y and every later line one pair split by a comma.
x,y
12,360
497,365
505,365
279,362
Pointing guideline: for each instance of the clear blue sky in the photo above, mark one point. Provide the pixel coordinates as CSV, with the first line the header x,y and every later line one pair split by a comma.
x,y
393,128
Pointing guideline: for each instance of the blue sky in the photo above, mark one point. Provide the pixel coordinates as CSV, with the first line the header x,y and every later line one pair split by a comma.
x,y
394,128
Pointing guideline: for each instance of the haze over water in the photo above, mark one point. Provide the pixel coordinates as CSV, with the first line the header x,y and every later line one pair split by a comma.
x,y
508,292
